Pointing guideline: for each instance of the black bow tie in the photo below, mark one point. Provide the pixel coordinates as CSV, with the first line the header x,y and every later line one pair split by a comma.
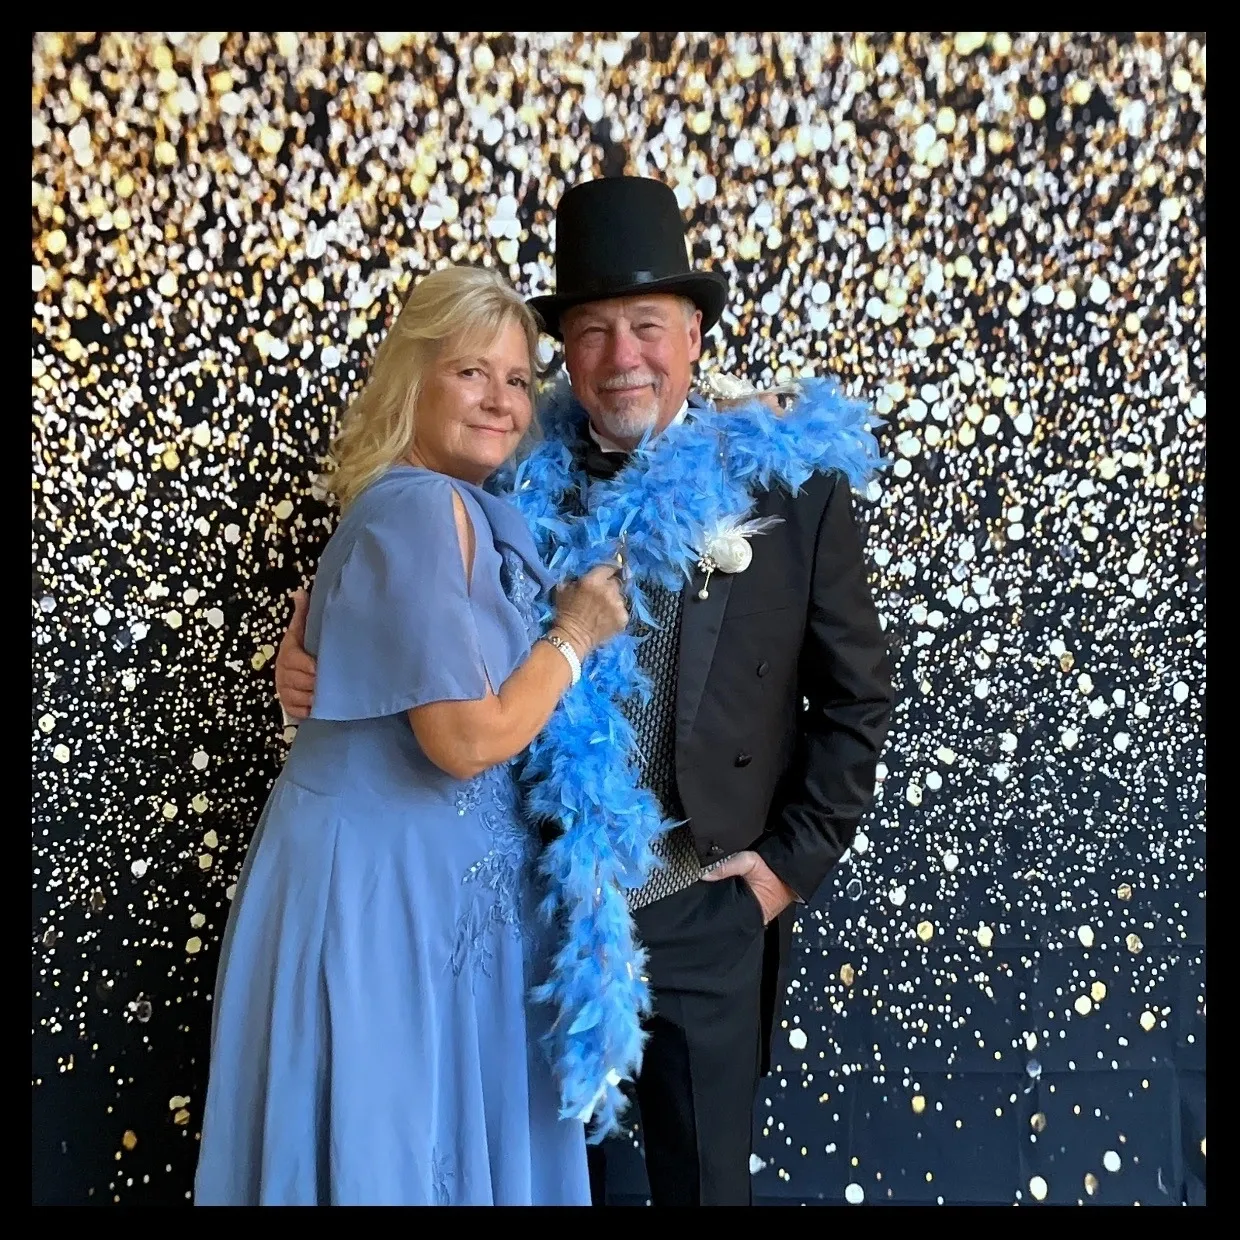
x,y
600,465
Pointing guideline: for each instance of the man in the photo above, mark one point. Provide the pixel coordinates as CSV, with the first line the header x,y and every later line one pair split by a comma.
x,y
770,792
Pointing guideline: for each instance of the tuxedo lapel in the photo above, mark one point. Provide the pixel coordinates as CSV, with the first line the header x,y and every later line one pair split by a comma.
x,y
700,622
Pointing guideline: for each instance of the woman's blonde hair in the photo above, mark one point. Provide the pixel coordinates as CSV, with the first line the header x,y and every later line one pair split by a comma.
x,y
464,306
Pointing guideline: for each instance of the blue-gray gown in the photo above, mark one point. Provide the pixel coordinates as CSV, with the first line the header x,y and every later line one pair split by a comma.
x,y
373,1041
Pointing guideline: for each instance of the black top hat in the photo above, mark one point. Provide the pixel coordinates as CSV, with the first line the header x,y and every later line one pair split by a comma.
x,y
619,237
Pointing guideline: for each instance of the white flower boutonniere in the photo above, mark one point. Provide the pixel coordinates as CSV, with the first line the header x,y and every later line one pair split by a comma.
x,y
727,547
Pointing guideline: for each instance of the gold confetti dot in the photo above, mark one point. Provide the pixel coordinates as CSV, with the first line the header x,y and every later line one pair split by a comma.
x,y
130,1139
1098,992
1037,1121
1091,1183
1124,891
193,945
847,974
271,140
919,1104
1134,943
925,931
1038,1188
985,936
1148,1020
1084,1005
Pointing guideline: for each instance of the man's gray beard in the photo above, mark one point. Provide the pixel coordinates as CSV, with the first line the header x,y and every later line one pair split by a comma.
x,y
628,424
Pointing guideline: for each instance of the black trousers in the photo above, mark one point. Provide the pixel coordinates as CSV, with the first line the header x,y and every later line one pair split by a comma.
x,y
699,1077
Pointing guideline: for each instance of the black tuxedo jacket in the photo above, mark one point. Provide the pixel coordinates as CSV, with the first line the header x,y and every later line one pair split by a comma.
x,y
756,766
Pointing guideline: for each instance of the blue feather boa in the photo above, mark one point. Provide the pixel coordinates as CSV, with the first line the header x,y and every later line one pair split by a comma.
x,y
581,771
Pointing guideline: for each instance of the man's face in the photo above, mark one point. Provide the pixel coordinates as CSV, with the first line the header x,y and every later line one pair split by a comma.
x,y
630,361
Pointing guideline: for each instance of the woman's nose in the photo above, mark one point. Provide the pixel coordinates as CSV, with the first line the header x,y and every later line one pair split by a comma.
x,y
502,396
493,394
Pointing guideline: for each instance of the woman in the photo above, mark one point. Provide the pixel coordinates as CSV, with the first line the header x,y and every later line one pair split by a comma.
x,y
373,1042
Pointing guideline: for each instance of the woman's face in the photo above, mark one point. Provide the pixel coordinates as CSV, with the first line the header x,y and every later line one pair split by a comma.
x,y
474,407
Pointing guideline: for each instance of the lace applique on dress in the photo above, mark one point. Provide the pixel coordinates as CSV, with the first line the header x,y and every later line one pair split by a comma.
x,y
522,591
441,1179
501,876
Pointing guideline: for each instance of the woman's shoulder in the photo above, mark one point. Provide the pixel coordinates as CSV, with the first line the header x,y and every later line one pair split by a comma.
x,y
407,498
400,493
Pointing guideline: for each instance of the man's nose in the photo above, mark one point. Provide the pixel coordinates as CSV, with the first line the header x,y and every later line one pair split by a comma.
x,y
624,353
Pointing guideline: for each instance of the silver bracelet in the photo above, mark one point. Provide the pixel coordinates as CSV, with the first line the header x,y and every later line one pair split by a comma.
x,y
574,663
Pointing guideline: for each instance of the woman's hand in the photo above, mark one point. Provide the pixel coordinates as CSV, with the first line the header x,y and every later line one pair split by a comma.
x,y
592,610
295,669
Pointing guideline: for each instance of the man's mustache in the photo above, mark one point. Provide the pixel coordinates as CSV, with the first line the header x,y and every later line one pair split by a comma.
x,y
635,378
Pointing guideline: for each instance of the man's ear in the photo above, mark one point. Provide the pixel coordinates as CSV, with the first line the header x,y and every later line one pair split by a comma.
x,y
695,336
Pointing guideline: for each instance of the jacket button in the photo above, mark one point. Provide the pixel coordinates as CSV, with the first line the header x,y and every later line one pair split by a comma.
x,y
763,668
743,759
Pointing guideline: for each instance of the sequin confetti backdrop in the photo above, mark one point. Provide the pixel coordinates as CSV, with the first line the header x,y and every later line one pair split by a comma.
x,y
998,238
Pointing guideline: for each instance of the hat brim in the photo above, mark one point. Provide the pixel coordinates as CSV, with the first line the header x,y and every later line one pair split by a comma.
x,y
706,289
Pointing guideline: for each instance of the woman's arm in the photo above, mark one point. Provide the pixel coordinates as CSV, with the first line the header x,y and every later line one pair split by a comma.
x,y
466,738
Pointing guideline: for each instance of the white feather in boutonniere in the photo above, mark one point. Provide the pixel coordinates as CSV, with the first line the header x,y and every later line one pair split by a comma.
x,y
727,547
